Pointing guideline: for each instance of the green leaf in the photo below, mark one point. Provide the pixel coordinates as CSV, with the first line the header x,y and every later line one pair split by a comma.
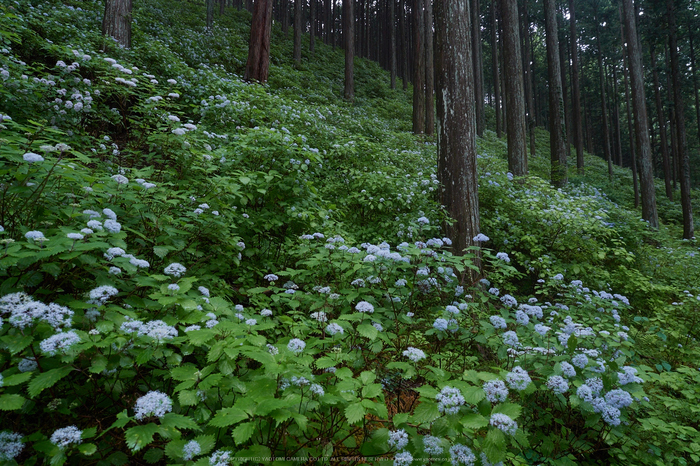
x,y
267,406
494,445
474,421
343,373
178,421
153,455
87,449
47,379
426,412
11,402
188,398
243,432
511,410
367,377
473,395
372,390
16,343
16,379
355,412
325,362
160,251
139,436
367,331
227,417
400,418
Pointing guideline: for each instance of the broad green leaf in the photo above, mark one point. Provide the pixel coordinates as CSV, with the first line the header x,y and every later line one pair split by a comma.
x,y
494,445
266,406
355,412
228,417
11,402
139,436
372,390
16,379
178,421
153,455
87,449
367,377
47,379
367,331
243,432
511,410
17,342
426,412
474,421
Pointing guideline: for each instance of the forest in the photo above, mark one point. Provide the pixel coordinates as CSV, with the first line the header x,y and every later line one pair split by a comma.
x,y
300,232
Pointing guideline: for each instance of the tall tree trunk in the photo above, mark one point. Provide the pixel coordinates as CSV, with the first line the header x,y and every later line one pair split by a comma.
x,y
661,118
455,117
648,194
603,101
564,91
494,68
392,32
527,77
312,25
683,159
630,124
477,59
210,14
575,90
298,21
616,118
349,43
515,92
222,7
418,69
258,64
695,80
429,70
557,133
285,16
116,22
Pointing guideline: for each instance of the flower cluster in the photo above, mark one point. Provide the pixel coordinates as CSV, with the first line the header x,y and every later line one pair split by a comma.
x,y
153,404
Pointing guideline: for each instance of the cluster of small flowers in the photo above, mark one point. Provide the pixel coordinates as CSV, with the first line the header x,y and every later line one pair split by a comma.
x,y
175,269
296,345
432,445
496,391
558,384
414,354
190,450
220,458
504,423
153,404
24,310
518,378
66,436
449,400
59,343
10,445
365,307
334,329
156,329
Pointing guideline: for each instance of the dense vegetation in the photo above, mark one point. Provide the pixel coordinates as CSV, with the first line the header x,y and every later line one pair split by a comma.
x,y
197,270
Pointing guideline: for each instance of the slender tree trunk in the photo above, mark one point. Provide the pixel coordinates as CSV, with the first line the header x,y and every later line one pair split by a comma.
x,y
392,32
616,118
285,16
455,121
477,58
695,81
429,70
116,22
661,117
298,21
575,90
222,7
210,13
648,194
603,101
312,25
683,159
494,68
258,64
349,43
514,87
557,133
418,69
527,77
564,91
630,124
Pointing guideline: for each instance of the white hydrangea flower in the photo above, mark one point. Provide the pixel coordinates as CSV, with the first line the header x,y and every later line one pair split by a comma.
x,y
66,436
10,445
190,450
153,404
296,345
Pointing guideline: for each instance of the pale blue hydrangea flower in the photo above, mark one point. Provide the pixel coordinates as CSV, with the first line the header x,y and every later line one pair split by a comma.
x,y
510,338
316,389
542,329
522,318
66,436
480,238
266,313
452,309
112,226
364,306
296,345
558,384
75,236
190,450
115,271
449,400
580,360
109,213
618,398
518,378
175,269
158,330
596,385
251,322
432,445
114,252
414,354
378,326
204,291
26,365
440,324
192,328
485,461
32,157
585,393
503,256
403,459
153,404
398,439
567,369
508,300
10,445
494,291
496,391
101,294
220,458
59,343
271,277
504,423
628,375
461,455
35,235
498,321
174,287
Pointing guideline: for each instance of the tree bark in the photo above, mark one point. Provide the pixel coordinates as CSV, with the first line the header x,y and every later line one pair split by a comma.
x,y
392,32
695,81
647,191
298,21
514,88
527,77
557,132
575,91
210,14
455,121
603,101
349,43
116,22
616,118
258,65
418,69
683,159
477,59
661,118
429,70
312,26
494,69
630,125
